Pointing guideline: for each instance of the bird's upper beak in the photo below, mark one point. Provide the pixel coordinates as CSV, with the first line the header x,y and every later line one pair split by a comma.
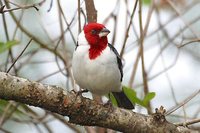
x,y
104,32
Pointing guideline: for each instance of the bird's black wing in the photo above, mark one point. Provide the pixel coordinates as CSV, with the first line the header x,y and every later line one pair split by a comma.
x,y
119,62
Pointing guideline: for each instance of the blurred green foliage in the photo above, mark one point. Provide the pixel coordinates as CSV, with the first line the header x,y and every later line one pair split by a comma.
x,y
147,2
7,45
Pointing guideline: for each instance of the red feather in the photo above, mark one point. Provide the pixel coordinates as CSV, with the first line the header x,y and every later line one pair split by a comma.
x,y
97,44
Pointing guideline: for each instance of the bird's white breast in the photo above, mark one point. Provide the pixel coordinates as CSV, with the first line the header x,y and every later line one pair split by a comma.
x,y
100,75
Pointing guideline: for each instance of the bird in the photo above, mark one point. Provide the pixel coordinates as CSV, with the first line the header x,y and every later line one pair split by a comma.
x,y
96,64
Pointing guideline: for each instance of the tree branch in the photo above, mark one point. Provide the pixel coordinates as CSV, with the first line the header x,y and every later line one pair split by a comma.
x,y
91,11
80,110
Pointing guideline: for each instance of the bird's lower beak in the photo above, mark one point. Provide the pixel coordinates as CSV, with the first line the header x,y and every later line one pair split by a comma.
x,y
104,32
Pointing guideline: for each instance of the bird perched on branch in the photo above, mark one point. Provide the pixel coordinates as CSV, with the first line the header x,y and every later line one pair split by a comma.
x,y
96,64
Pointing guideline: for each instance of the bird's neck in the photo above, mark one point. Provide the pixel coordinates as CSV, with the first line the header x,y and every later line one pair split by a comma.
x,y
97,48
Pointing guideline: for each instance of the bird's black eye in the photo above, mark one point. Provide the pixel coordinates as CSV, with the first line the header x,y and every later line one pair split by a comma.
x,y
93,32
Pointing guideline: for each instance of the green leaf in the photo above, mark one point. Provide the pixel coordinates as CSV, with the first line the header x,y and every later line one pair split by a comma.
x,y
131,94
112,98
147,2
148,98
3,106
7,45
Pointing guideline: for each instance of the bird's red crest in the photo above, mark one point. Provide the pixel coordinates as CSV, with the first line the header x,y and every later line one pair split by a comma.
x,y
97,44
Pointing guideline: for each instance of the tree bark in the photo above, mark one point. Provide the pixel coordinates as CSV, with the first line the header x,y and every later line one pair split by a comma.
x,y
91,11
80,110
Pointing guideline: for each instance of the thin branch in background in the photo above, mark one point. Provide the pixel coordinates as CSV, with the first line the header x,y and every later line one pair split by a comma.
x,y
115,29
127,31
184,113
196,114
166,73
50,6
166,45
10,54
29,34
61,26
13,38
3,115
149,15
51,74
37,127
65,61
47,127
180,16
132,78
6,33
85,17
3,10
57,62
193,41
114,12
188,122
79,16
64,121
182,103
162,71
8,112
68,24
144,74
135,65
113,15
19,56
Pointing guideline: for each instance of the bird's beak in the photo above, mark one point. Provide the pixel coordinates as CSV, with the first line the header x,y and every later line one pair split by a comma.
x,y
104,32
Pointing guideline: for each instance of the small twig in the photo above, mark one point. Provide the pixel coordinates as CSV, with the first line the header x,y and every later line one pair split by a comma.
x,y
51,4
35,39
188,122
144,74
197,40
62,119
84,15
18,56
127,31
182,103
8,111
51,74
79,16
2,10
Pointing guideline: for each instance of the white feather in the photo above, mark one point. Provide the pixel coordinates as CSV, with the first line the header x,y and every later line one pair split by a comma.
x,y
100,75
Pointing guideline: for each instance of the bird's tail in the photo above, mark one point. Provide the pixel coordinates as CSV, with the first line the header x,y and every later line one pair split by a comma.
x,y
122,100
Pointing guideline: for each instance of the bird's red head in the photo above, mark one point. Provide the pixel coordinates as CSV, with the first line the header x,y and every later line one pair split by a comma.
x,y
96,35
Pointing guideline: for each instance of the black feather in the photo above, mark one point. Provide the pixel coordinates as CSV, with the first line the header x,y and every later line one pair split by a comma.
x,y
119,62
122,100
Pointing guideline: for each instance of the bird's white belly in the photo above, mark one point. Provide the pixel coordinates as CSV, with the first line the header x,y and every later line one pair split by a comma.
x,y
100,75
